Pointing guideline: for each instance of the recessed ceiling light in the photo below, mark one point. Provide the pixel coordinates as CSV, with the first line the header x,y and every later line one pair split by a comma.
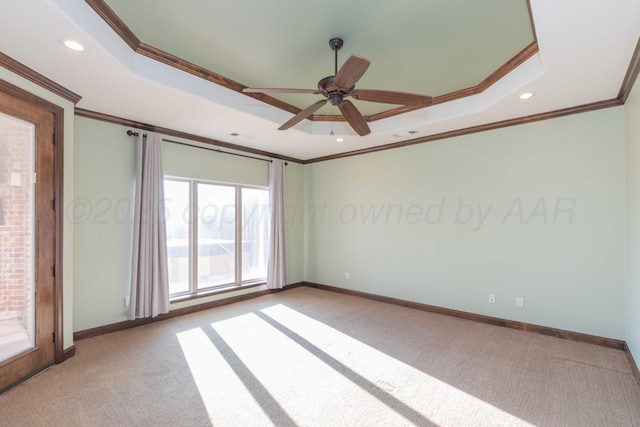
x,y
339,139
526,95
73,45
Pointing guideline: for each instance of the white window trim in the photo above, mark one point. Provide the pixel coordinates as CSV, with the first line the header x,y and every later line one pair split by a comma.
x,y
193,241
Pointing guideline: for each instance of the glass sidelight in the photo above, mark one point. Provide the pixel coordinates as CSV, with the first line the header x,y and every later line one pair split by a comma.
x,y
17,290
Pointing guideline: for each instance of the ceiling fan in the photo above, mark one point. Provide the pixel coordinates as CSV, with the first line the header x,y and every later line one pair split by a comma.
x,y
341,85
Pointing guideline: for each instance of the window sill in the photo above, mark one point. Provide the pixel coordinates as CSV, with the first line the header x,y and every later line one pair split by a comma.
x,y
218,291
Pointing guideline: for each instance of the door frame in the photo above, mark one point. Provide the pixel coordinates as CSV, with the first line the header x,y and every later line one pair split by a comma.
x,y
58,154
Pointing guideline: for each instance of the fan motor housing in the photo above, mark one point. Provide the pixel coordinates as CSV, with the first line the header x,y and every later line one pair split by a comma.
x,y
335,98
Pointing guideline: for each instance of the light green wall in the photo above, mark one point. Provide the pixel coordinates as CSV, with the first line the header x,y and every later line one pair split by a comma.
x,y
103,220
103,217
183,161
632,108
425,244
67,237
533,211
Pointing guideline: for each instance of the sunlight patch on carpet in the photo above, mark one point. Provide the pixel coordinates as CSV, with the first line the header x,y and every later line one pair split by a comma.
x,y
431,397
219,387
277,366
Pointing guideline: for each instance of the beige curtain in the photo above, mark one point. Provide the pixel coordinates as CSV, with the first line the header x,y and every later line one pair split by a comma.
x,y
277,264
149,272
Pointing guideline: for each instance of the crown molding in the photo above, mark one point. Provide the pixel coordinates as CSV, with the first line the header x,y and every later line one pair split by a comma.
x,y
37,78
631,76
80,112
475,129
141,48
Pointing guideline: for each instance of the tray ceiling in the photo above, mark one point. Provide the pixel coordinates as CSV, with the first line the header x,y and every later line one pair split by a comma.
x,y
426,47
583,50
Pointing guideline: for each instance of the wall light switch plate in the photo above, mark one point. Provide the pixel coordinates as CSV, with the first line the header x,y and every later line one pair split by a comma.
x,y
16,179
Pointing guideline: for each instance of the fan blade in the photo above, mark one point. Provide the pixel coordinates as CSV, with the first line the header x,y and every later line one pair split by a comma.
x,y
391,97
351,71
303,114
278,90
355,119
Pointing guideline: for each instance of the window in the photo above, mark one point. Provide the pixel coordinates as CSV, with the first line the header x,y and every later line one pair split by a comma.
x,y
217,235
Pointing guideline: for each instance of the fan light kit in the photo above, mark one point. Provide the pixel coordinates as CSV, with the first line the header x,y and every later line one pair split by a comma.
x,y
342,85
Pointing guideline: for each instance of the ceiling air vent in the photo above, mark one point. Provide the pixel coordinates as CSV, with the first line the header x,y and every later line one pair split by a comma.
x,y
407,133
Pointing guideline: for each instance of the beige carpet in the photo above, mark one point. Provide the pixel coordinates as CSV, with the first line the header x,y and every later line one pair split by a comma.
x,y
308,357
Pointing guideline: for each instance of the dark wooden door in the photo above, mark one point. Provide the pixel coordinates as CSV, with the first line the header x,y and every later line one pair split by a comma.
x,y
27,239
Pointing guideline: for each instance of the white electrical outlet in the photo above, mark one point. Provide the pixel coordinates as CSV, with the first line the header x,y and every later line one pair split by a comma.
x,y
519,302
346,275
126,301
492,298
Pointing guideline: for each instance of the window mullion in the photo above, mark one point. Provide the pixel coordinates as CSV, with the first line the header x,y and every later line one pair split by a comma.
x,y
238,243
193,237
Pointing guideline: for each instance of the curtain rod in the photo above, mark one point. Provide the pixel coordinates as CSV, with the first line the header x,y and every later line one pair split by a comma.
x,y
217,150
